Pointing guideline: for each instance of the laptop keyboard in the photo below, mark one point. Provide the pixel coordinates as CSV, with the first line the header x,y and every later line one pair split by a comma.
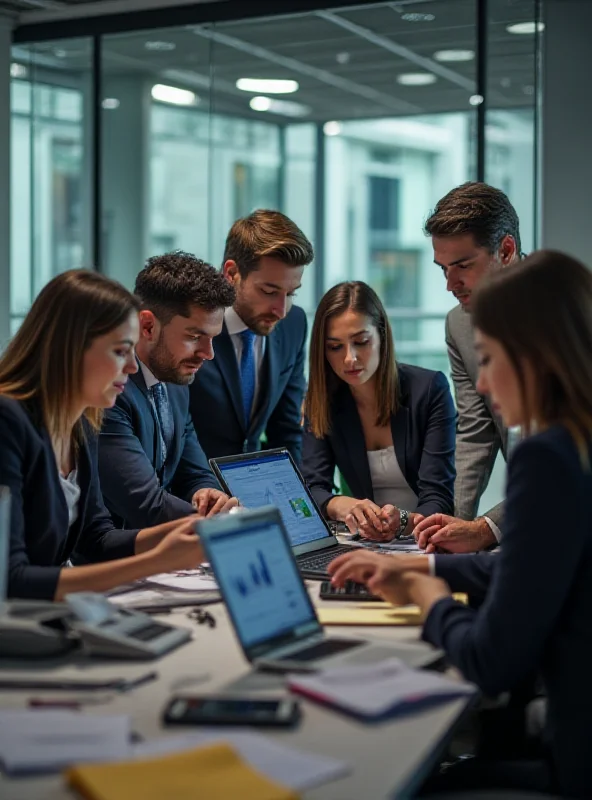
x,y
317,562
321,650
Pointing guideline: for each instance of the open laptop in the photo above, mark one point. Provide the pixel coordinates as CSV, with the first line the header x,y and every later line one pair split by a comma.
x,y
271,478
270,609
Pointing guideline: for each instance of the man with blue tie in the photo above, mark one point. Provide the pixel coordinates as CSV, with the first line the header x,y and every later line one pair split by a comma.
x,y
152,467
255,385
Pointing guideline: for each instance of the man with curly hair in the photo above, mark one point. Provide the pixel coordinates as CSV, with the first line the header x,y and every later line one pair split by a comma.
x,y
152,467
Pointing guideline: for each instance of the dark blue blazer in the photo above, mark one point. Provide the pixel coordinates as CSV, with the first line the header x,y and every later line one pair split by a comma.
x,y
216,399
137,487
40,541
537,612
423,436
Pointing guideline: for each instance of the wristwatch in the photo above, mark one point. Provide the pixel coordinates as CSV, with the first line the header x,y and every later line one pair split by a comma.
x,y
404,519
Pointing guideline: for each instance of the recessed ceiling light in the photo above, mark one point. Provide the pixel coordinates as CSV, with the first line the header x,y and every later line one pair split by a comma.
x,y
417,17
269,86
59,52
416,78
332,128
476,99
526,27
454,55
506,83
17,70
110,103
174,95
160,46
343,58
288,108
528,90
260,103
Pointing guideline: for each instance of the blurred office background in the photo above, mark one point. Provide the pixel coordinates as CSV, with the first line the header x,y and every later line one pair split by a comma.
x,y
131,143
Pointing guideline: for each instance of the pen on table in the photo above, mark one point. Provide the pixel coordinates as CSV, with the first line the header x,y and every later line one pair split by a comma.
x,y
135,682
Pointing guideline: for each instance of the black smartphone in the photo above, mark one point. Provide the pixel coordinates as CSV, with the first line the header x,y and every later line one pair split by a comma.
x,y
223,710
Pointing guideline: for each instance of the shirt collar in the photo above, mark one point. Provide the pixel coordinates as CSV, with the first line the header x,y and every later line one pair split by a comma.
x,y
234,323
149,377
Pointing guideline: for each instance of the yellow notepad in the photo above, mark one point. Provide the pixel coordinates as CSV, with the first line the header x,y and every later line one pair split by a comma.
x,y
215,772
374,613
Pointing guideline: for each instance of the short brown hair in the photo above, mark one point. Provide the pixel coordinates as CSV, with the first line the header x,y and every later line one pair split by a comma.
x,y
323,383
43,362
478,209
266,233
171,283
541,312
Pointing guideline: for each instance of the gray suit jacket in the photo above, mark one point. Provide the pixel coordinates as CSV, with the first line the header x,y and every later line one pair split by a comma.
x,y
479,433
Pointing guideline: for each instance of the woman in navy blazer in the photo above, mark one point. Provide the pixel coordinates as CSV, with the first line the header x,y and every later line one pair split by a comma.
x,y
534,338
388,427
69,360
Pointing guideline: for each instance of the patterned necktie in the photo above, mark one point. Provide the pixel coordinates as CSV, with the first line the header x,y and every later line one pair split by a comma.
x,y
247,372
165,417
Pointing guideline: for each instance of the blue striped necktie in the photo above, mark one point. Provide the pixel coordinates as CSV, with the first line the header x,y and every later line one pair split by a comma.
x,y
165,417
247,372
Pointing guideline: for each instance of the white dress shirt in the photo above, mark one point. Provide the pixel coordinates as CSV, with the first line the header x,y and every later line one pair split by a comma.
x,y
71,491
149,377
235,326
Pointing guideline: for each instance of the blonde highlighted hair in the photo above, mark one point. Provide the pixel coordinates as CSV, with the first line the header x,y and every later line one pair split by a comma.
x,y
541,313
44,360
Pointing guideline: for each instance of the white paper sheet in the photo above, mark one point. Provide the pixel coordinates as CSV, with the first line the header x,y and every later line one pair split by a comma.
x,y
46,741
294,768
188,580
375,690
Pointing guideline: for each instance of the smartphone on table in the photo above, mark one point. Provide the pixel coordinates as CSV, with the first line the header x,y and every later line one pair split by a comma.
x,y
226,710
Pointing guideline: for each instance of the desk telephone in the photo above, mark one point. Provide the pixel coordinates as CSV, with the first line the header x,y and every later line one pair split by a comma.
x,y
33,629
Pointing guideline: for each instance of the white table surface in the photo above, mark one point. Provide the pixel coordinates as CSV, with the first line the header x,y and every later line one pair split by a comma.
x,y
386,760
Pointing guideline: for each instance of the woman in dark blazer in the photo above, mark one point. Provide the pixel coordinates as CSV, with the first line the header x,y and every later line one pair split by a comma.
x,y
533,326
68,361
388,427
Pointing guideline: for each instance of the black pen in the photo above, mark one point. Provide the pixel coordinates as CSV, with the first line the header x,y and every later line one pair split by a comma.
x,y
135,682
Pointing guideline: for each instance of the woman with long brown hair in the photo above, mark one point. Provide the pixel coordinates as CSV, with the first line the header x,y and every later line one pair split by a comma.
x,y
68,361
387,426
533,334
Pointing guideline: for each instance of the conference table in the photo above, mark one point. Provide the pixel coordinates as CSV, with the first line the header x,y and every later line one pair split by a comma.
x,y
389,759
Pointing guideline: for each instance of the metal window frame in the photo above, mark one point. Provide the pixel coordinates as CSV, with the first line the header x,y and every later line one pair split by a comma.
x,y
213,12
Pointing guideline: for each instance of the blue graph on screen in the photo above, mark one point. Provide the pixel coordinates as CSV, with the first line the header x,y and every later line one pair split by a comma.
x,y
258,577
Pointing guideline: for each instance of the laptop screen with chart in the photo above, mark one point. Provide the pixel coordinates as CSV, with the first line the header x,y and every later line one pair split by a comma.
x,y
261,585
270,478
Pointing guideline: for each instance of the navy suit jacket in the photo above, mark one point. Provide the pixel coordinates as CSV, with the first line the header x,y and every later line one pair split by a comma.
x,y
423,436
40,541
216,399
537,612
137,487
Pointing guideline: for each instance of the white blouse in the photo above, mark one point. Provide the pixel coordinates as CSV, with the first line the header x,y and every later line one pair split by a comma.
x,y
388,482
71,491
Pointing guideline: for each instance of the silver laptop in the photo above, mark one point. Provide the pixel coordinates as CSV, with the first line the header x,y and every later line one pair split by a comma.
x,y
269,606
271,478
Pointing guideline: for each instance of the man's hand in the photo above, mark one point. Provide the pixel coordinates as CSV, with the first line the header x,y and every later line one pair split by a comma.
x,y
362,566
439,531
208,502
423,590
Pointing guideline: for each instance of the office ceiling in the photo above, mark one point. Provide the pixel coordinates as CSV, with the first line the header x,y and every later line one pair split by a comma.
x,y
346,61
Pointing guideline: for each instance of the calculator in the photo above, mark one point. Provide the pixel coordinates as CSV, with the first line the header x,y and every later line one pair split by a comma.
x,y
351,591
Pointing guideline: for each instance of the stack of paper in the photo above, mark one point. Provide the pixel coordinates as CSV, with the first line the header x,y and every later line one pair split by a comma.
x,y
298,770
42,741
376,691
190,580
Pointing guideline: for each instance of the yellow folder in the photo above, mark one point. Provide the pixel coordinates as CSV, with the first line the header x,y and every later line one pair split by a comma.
x,y
215,772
